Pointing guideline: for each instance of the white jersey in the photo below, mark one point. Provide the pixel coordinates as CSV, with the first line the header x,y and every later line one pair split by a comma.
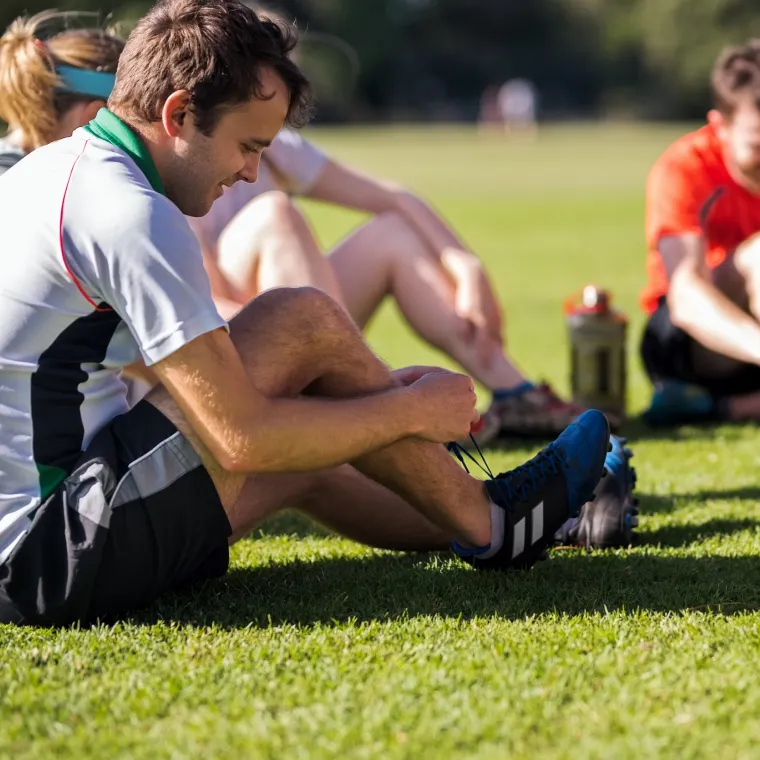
x,y
290,164
99,269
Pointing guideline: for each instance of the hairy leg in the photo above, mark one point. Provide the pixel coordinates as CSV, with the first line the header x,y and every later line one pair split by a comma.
x,y
343,500
300,340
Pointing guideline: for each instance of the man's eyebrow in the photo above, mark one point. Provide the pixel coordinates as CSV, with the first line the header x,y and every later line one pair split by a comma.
x,y
256,143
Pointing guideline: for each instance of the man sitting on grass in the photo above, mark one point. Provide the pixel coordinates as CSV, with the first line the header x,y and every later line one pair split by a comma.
x,y
701,347
104,508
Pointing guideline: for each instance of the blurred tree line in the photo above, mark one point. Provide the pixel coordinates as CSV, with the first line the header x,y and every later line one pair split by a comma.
x,y
432,59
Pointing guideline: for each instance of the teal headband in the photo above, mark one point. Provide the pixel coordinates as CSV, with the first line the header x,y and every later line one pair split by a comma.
x,y
98,84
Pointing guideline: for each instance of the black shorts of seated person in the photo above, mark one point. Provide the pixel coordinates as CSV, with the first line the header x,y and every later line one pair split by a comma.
x,y
138,517
666,351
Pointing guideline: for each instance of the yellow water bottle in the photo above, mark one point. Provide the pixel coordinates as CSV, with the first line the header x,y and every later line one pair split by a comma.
x,y
597,335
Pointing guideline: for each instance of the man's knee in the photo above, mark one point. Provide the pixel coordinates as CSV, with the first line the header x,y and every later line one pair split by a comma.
x,y
397,234
306,313
266,215
277,209
746,260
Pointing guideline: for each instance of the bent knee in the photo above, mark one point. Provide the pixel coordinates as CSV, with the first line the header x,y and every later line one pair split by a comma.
x,y
276,207
746,258
265,214
308,306
397,233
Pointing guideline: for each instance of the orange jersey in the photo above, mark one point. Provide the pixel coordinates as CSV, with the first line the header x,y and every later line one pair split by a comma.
x,y
688,190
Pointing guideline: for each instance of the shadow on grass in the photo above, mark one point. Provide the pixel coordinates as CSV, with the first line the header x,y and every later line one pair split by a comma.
x,y
659,504
683,535
387,587
636,430
300,526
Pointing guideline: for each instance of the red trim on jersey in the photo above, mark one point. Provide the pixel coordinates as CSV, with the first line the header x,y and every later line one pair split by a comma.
x,y
60,236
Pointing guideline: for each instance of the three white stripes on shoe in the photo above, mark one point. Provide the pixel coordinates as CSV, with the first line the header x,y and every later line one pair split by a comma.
x,y
537,529
518,536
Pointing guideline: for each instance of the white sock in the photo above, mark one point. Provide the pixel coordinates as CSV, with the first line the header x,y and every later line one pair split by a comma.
x,y
498,521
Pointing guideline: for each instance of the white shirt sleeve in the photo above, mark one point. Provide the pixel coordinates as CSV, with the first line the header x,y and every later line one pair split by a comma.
x,y
147,265
297,160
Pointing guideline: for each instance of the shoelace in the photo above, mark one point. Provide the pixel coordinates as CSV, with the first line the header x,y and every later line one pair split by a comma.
x,y
538,469
460,453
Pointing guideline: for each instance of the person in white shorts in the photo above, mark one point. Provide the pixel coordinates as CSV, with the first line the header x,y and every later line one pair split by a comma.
x,y
104,508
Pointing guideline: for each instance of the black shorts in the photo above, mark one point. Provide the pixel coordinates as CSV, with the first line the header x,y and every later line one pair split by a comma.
x,y
139,516
666,351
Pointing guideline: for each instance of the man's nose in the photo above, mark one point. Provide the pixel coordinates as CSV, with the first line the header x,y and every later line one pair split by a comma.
x,y
250,170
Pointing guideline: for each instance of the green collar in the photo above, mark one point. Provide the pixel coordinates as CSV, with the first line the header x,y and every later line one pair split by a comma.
x,y
109,127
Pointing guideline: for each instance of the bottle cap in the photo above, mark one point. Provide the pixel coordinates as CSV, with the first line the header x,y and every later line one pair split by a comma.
x,y
595,299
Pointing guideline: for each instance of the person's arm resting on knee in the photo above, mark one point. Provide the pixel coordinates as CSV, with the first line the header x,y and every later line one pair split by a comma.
x,y
675,205
248,432
699,308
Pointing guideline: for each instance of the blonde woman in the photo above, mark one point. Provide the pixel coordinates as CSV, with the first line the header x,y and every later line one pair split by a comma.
x,y
50,84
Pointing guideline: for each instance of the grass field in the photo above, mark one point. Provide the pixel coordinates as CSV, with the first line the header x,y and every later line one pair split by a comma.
x,y
314,647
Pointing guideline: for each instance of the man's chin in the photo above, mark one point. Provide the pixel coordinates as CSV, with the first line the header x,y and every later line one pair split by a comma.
x,y
196,209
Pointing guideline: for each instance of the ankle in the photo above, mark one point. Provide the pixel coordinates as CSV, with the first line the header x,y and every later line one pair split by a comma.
x,y
517,390
477,533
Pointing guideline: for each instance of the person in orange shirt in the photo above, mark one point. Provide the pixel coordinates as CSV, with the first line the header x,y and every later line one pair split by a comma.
x,y
701,346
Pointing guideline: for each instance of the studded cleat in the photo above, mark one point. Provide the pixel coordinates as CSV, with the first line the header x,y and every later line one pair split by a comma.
x,y
531,502
611,519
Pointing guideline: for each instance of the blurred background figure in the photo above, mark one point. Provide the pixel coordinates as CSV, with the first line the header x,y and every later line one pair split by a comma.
x,y
55,74
489,118
424,60
517,106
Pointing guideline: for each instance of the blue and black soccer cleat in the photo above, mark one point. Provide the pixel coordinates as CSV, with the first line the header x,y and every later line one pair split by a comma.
x,y
537,498
609,521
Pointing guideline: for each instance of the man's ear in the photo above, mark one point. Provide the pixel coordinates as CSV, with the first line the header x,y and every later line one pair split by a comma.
x,y
175,115
719,122
716,119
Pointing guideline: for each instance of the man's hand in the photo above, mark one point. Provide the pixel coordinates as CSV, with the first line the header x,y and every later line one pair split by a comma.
x,y
249,432
409,375
477,307
445,406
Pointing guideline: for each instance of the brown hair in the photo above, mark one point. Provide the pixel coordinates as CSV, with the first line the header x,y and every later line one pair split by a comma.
x,y
216,50
29,99
736,76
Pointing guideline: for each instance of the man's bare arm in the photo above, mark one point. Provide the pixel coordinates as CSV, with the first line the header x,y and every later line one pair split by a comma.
x,y
249,433
699,308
